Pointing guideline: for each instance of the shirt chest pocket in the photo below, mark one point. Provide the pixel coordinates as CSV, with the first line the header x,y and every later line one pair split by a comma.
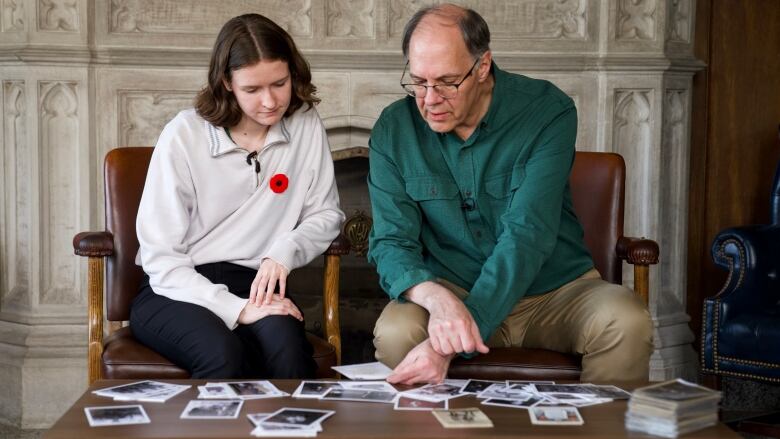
x,y
439,202
498,194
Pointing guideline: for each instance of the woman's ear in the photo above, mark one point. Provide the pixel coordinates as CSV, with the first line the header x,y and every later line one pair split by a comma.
x,y
226,84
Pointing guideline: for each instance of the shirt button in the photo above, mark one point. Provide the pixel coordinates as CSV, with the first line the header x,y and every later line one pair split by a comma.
x,y
478,233
467,193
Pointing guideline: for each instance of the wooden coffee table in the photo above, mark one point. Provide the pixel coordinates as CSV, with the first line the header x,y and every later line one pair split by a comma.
x,y
352,419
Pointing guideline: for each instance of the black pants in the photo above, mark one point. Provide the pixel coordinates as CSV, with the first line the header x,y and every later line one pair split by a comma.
x,y
195,339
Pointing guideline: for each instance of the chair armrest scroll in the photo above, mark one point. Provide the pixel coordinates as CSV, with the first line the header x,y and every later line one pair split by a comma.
x,y
94,244
637,251
339,247
750,255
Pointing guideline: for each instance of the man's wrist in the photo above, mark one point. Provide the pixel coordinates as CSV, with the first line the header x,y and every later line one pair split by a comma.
x,y
426,294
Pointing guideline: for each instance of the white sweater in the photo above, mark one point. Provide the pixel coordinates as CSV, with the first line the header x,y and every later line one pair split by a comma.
x,y
204,203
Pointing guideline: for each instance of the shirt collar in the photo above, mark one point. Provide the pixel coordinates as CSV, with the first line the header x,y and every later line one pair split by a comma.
x,y
220,143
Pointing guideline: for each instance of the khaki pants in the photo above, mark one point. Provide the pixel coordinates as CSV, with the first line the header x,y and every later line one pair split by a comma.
x,y
605,323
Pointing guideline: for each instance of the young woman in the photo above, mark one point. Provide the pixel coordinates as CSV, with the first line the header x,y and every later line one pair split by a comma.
x,y
240,191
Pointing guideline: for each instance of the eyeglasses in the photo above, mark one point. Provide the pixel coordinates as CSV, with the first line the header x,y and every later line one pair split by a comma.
x,y
446,91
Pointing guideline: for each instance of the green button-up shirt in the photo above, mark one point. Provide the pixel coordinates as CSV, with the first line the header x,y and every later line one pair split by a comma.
x,y
492,214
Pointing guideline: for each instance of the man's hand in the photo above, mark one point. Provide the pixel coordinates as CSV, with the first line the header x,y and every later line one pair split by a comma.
x,y
269,273
421,365
278,306
451,328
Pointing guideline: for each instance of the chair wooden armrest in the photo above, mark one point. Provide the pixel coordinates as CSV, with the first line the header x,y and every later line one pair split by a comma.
x,y
641,253
330,292
96,246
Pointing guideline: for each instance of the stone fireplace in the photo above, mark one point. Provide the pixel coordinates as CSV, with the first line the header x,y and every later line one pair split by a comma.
x,y
80,77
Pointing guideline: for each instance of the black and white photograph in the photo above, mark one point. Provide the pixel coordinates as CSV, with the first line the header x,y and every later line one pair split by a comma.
x,y
314,389
208,409
280,430
246,389
116,415
406,403
340,394
476,386
575,389
296,417
555,416
510,383
382,386
463,418
434,392
514,403
500,391
215,391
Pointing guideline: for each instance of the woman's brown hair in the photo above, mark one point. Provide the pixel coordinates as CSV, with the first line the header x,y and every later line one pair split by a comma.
x,y
244,41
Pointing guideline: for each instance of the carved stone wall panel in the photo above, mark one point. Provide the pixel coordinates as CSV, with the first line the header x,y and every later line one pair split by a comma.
x,y
637,25
15,212
12,16
541,25
399,12
350,18
58,15
679,26
58,22
674,165
143,114
59,145
192,24
633,137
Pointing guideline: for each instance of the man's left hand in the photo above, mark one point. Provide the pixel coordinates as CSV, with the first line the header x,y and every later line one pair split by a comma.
x,y
421,365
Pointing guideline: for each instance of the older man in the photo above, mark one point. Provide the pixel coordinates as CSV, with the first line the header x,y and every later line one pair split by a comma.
x,y
475,238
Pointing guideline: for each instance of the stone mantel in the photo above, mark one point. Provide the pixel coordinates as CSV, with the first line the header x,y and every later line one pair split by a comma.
x,y
78,77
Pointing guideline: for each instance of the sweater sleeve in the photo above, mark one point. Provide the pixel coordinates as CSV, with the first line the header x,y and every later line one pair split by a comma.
x,y
320,218
163,219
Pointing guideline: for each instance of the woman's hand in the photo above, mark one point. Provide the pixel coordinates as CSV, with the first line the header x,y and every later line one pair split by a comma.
x,y
278,306
263,286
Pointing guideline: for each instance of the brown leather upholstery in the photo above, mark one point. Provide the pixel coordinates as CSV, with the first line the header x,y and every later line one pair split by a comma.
x,y
598,191
124,173
125,358
122,357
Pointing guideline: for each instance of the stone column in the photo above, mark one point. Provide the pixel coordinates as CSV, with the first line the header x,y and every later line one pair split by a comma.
x,y
46,197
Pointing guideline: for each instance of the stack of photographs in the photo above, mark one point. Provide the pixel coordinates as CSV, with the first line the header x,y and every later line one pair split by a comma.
x,y
289,422
240,390
143,391
672,408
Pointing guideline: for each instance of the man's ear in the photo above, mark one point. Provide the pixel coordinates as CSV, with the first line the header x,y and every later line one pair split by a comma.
x,y
484,65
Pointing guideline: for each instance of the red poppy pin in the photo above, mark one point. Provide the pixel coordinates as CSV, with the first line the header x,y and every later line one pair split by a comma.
x,y
279,183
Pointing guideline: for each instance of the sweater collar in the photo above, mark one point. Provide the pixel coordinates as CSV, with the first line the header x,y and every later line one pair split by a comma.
x,y
220,143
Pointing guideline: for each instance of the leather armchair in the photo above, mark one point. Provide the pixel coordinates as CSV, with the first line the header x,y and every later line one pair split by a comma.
x,y
597,184
119,355
740,333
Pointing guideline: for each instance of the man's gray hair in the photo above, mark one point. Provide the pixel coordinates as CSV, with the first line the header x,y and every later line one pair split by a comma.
x,y
476,33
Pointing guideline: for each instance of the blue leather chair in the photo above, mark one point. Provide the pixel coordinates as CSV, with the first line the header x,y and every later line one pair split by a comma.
x,y
741,324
